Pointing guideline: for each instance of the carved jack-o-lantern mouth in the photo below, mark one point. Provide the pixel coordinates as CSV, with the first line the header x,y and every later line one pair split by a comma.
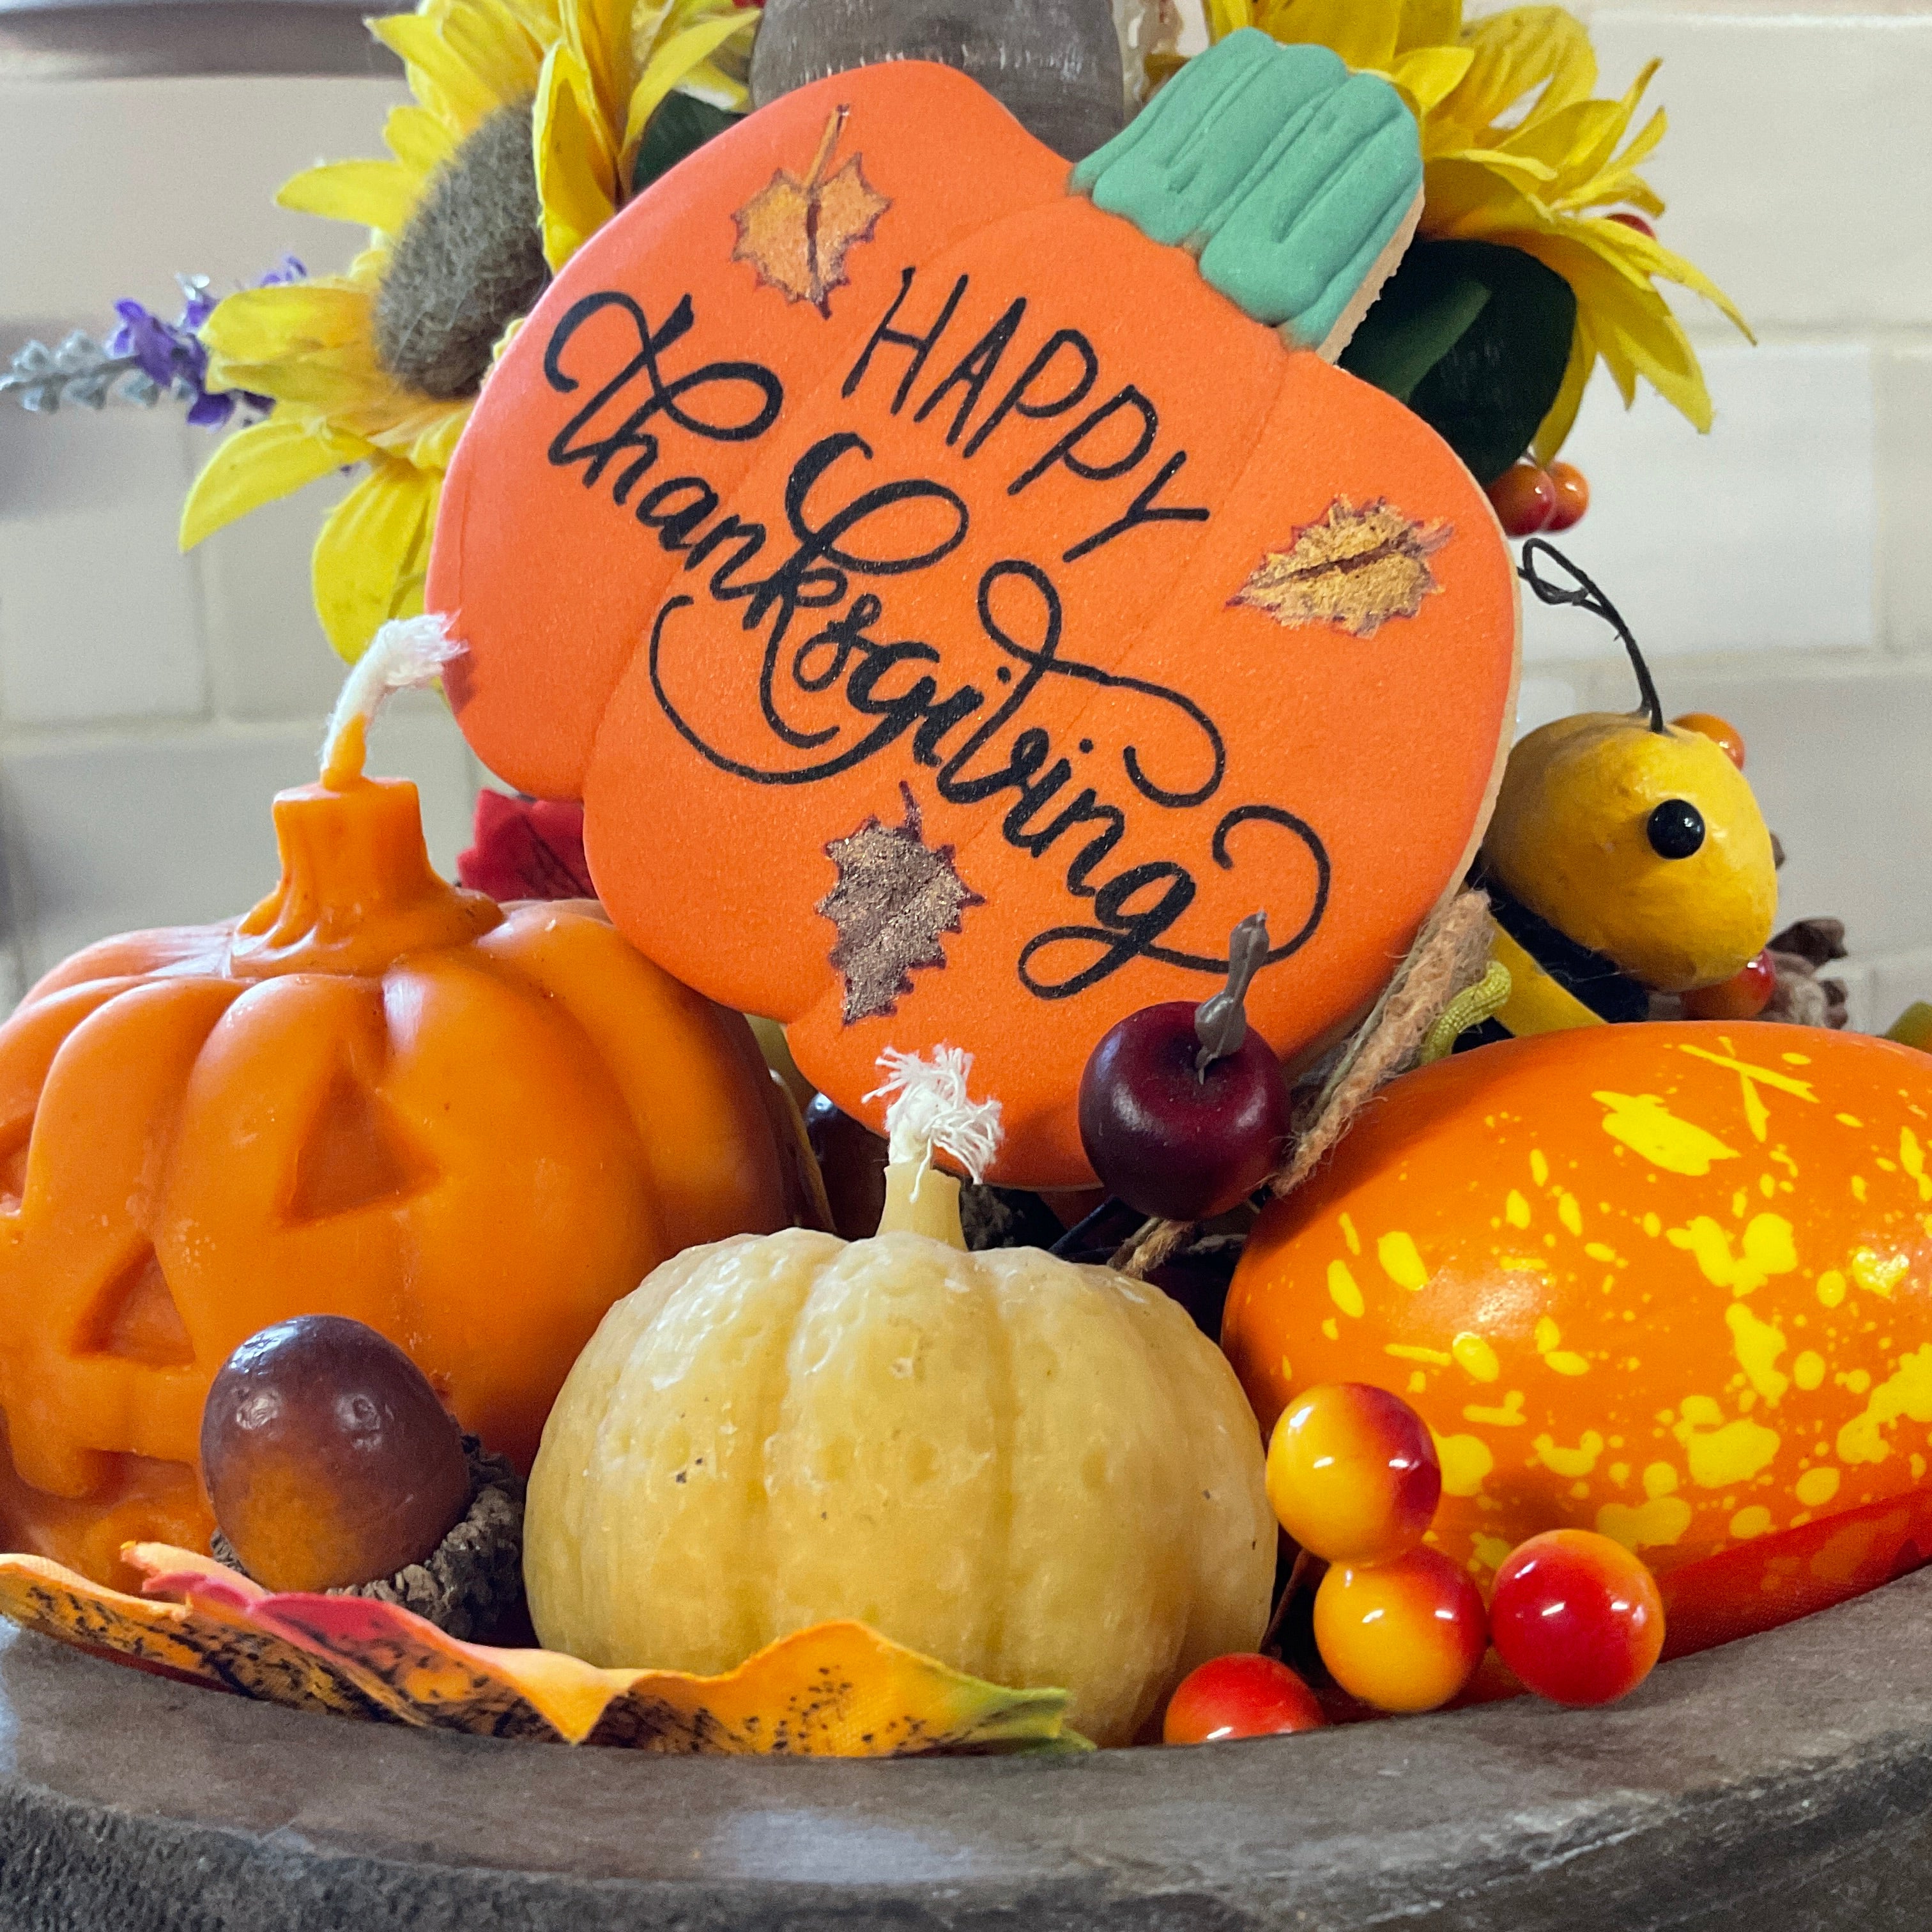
x,y
374,1096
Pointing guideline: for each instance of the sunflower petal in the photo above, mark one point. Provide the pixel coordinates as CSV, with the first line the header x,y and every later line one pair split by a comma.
x,y
265,327
1555,427
258,465
377,194
671,62
576,170
369,560
1515,53
1364,36
1227,16
1428,23
1429,75
420,141
439,76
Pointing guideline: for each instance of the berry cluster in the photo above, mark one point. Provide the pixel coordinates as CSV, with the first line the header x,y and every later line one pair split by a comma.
x,y
1529,500
1353,1475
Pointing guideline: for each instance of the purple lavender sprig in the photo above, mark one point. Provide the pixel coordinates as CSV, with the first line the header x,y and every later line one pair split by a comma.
x,y
146,358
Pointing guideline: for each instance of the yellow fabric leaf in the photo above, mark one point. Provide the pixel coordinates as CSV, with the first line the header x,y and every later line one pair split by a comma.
x,y
672,62
835,1690
378,194
576,170
370,560
258,465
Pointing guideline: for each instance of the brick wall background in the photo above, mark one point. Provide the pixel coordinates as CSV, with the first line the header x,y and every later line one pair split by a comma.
x,y
1777,571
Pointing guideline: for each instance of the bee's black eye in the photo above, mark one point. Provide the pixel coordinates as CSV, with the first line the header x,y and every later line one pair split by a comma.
x,y
1675,829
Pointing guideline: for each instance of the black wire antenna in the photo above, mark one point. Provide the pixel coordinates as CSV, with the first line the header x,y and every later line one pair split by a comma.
x,y
1585,595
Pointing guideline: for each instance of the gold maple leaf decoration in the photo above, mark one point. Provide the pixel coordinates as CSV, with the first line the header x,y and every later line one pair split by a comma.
x,y
797,233
896,896
1354,568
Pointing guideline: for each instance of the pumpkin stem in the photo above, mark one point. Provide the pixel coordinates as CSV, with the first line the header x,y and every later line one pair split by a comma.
x,y
1221,1022
931,1111
406,654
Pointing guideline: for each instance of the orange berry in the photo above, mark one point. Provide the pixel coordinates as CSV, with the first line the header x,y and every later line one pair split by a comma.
x,y
1524,500
1577,1617
1352,1473
1405,1636
1742,997
1573,496
1244,1695
1728,738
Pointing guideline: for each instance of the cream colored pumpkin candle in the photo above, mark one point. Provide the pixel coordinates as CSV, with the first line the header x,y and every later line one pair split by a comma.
x,y
1038,1473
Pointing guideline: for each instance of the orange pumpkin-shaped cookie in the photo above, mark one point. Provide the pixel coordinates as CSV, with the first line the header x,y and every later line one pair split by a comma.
x,y
956,609
472,1128
1670,1283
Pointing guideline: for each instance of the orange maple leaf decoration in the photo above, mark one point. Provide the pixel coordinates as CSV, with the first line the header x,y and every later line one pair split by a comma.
x,y
1353,568
797,233
896,896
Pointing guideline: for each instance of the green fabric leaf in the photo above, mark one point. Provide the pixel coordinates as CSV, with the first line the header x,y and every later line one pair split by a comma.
x,y
1475,336
680,127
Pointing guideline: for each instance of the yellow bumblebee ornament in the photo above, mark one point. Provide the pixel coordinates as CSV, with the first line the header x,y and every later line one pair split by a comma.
x,y
1625,857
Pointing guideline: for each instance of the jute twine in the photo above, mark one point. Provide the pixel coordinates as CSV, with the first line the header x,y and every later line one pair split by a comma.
x,y
1451,953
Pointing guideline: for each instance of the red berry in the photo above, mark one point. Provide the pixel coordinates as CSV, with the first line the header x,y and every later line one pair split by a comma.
x,y
1170,1140
1742,997
1525,500
1577,1617
1729,738
1405,1636
1631,220
1573,496
328,1457
1352,1473
1243,1696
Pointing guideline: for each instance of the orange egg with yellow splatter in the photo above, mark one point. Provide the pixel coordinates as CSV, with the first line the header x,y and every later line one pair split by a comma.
x,y
1670,1283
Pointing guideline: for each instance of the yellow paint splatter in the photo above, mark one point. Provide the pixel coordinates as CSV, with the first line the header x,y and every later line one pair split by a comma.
x,y
1401,1262
1348,1234
1657,1523
1466,1461
1757,1116
1539,1168
1879,1274
1343,1290
1767,1185
1414,1351
1600,1251
1328,1328
1620,1474
1418,1383
1491,1552
1808,1371
1523,1264
1577,1462
1642,1123
1660,1479
1796,1059
1816,1487
1509,1416
1516,1209
1652,1226
1912,1158
1569,1213
1857,1381
1768,1250
1858,1187
1475,1357
1719,1452
1831,1287
1848,1120
1758,1345
1750,1522
1907,1393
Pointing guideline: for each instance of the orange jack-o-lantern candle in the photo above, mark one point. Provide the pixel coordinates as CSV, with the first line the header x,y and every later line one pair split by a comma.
x,y
1671,1283
957,608
472,1127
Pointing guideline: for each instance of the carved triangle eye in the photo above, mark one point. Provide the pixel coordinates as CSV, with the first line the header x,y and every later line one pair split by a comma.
x,y
353,1157
135,1317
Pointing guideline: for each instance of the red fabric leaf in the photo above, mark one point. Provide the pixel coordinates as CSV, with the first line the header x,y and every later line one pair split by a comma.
x,y
526,848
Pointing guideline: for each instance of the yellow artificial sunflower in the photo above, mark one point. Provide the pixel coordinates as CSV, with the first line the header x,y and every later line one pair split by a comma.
x,y
1535,178
520,146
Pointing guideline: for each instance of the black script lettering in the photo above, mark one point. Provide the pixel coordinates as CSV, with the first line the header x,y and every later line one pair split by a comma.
x,y
921,346
1067,450
1144,509
1020,399
676,509
973,371
666,399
